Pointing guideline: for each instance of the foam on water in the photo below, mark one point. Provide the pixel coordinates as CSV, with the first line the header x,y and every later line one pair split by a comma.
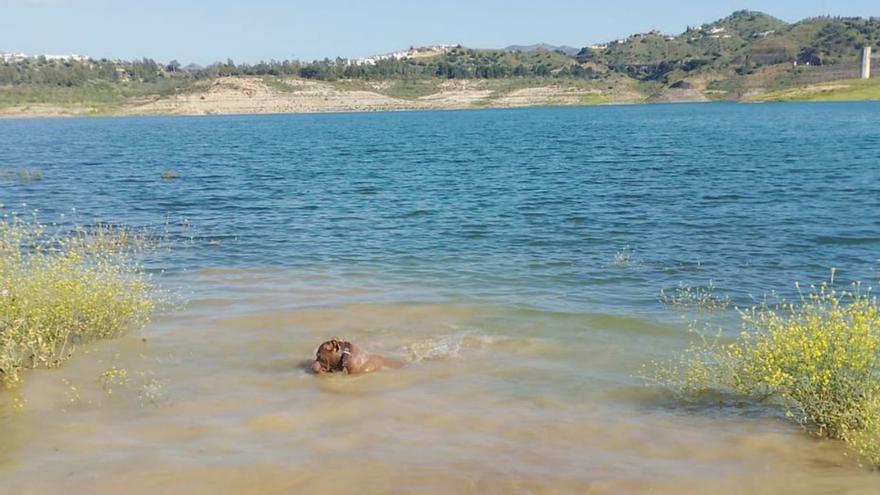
x,y
447,346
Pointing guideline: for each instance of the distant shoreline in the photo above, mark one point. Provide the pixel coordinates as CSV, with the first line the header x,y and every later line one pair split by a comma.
x,y
262,95
35,116
62,116
257,96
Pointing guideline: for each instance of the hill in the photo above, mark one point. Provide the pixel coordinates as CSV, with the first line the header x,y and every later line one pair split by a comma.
x,y
742,41
740,57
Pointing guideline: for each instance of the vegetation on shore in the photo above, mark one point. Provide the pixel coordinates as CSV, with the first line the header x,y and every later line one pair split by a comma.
x,y
845,90
819,359
745,56
59,292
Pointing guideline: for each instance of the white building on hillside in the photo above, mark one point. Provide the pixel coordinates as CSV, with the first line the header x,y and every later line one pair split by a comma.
x,y
73,57
402,55
20,57
12,57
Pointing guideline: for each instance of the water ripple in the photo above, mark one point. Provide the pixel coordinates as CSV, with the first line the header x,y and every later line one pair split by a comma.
x,y
526,206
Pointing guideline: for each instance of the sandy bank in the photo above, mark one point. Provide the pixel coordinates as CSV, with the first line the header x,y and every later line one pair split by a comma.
x,y
257,95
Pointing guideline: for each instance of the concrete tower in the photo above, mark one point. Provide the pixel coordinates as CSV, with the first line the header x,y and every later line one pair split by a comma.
x,y
865,69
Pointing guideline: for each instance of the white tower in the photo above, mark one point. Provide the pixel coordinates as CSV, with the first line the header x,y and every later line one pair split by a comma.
x,y
865,72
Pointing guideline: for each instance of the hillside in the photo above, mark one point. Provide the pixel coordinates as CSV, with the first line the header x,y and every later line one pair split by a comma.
x,y
740,44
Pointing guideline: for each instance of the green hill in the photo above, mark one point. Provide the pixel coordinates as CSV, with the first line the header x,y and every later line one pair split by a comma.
x,y
741,42
463,63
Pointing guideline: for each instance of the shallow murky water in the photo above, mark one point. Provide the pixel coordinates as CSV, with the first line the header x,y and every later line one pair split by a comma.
x,y
492,400
514,260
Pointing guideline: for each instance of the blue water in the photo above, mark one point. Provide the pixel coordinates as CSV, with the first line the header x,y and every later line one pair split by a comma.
x,y
525,207
513,259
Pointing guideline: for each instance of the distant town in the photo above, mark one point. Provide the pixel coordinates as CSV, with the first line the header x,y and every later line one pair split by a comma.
x,y
427,51
21,57
411,53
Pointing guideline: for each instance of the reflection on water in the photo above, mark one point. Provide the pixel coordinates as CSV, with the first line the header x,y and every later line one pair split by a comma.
x,y
493,400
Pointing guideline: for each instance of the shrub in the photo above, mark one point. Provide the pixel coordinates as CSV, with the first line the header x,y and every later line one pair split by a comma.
x,y
818,359
58,292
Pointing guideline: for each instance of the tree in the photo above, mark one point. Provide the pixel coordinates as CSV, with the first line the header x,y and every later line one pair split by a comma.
x,y
585,55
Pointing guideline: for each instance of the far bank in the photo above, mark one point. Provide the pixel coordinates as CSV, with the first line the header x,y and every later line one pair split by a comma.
x,y
270,95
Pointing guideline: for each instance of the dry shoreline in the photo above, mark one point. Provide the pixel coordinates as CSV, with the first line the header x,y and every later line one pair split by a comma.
x,y
255,95
258,95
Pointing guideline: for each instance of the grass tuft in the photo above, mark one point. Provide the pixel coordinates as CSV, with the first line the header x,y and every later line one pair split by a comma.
x,y
59,292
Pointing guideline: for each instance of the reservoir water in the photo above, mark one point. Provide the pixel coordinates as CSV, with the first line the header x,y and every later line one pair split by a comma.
x,y
519,261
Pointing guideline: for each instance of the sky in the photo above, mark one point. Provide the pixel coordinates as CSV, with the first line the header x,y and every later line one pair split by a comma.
x,y
206,31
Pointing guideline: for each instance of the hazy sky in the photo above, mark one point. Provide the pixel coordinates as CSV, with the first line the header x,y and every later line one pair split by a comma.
x,y
205,31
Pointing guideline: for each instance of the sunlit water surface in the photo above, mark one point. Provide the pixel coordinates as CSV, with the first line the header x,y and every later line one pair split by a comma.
x,y
514,259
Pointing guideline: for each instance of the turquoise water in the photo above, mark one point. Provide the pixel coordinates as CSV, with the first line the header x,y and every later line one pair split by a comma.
x,y
514,258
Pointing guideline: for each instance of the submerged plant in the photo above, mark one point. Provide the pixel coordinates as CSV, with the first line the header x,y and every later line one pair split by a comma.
x,y
29,174
819,359
109,238
701,298
22,174
623,257
58,292
113,377
148,389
